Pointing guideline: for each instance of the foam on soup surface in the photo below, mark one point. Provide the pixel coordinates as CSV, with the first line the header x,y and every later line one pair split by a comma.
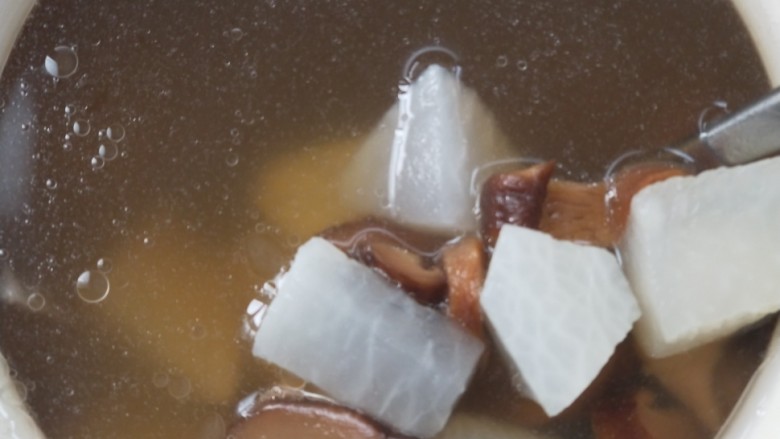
x,y
156,163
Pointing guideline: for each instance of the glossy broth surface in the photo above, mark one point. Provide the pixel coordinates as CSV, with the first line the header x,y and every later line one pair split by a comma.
x,y
145,146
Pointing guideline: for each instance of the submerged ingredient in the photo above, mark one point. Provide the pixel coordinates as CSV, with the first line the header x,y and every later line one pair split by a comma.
x,y
515,197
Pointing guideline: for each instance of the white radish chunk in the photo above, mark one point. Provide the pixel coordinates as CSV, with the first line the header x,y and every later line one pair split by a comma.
x,y
416,166
557,310
338,325
703,255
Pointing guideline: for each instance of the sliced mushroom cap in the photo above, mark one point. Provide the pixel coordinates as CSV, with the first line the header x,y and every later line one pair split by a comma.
x,y
577,212
596,213
307,420
628,182
405,256
464,264
513,198
426,282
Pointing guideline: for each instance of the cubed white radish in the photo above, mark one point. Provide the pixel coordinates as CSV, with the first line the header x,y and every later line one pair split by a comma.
x,y
342,327
703,255
558,310
416,166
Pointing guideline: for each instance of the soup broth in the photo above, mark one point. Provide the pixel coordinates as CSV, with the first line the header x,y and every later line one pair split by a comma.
x,y
160,161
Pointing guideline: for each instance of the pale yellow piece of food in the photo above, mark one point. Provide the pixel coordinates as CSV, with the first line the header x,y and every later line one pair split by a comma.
x,y
173,299
299,191
137,418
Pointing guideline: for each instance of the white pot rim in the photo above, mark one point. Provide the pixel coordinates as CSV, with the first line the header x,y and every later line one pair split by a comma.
x,y
757,415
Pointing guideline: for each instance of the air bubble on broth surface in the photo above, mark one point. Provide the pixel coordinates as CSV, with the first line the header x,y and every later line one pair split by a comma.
x,y
97,162
62,62
92,286
115,133
108,151
231,159
81,127
303,107
36,302
104,265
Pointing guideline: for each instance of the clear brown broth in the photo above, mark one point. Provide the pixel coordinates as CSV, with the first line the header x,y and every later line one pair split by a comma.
x,y
577,81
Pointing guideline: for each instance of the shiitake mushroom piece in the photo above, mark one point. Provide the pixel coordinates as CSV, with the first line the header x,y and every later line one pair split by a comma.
x,y
310,419
577,212
514,197
628,182
596,213
465,263
405,256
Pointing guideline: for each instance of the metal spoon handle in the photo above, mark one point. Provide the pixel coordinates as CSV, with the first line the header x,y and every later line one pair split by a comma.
x,y
747,135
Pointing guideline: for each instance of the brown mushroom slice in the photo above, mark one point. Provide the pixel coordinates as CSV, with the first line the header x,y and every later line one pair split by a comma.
x,y
596,213
403,255
513,198
351,235
426,282
307,419
464,264
577,212
628,182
